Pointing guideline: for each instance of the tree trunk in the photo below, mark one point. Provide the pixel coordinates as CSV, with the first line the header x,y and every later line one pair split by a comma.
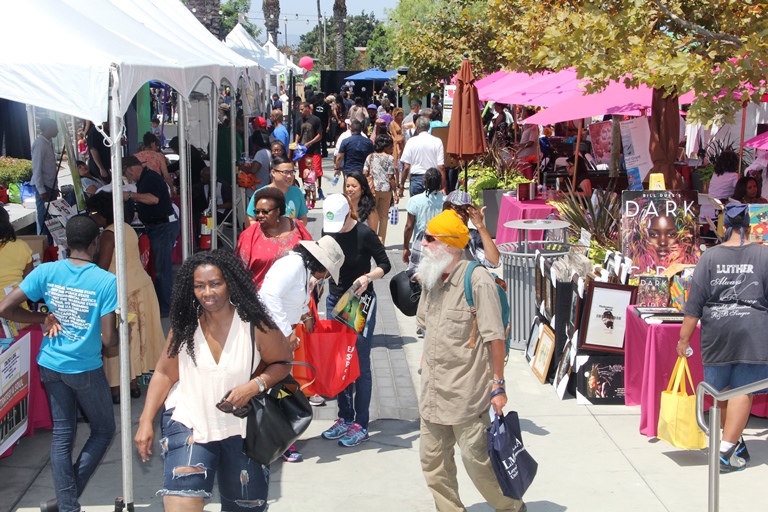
x,y
340,18
271,10
615,147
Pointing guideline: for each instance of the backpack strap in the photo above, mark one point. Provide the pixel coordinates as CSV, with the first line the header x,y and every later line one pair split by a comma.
x,y
470,301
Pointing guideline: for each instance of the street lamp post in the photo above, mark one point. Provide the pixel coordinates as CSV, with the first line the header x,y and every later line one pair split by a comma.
x,y
285,21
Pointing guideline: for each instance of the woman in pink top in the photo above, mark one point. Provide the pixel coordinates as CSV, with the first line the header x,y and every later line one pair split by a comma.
x,y
153,158
206,369
272,235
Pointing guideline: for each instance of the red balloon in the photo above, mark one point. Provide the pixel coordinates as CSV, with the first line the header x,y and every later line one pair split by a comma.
x,y
307,63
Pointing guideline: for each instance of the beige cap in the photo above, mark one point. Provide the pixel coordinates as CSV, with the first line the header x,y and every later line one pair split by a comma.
x,y
328,252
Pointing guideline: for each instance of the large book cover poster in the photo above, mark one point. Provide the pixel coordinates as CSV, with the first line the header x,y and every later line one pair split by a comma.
x,y
659,228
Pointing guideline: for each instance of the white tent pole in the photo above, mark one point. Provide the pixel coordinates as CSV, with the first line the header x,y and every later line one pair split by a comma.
x,y
183,177
116,134
214,153
233,166
32,124
212,200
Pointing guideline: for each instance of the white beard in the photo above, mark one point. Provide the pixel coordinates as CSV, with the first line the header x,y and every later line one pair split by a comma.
x,y
434,261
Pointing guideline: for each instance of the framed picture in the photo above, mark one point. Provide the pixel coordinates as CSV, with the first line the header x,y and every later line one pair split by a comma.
x,y
533,340
604,319
563,371
599,379
543,357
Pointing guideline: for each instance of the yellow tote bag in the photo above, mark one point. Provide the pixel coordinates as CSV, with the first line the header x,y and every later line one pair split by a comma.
x,y
677,419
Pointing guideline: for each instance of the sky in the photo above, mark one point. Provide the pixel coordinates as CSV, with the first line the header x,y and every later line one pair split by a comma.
x,y
307,10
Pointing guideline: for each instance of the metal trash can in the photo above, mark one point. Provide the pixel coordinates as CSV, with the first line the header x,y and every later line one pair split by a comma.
x,y
517,260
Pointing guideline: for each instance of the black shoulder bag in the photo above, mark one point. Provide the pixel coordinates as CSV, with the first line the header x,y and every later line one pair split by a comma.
x,y
277,417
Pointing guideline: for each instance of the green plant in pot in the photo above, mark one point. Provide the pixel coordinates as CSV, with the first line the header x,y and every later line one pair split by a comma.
x,y
489,175
601,218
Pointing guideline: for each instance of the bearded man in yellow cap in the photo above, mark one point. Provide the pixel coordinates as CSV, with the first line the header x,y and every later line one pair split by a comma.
x,y
462,373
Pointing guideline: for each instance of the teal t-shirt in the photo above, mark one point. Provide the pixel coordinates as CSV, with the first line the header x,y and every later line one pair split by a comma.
x,y
295,206
425,206
79,296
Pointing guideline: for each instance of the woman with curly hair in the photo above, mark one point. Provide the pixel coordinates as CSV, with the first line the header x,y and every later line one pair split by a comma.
x,y
358,191
219,329
747,191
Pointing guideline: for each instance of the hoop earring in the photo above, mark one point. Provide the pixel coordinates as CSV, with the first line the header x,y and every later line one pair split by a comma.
x,y
230,301
198,307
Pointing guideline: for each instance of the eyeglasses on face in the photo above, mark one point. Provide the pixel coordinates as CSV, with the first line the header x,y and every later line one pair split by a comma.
x,y
263,211
431,238
286,172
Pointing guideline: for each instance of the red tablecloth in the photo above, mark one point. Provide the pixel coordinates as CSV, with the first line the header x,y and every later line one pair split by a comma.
x,y
39,415
649,360
512,209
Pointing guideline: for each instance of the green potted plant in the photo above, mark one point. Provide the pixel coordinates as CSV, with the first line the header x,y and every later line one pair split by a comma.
x,y
489,176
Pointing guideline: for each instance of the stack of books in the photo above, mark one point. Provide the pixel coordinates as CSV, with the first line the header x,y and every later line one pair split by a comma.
x,y
660,315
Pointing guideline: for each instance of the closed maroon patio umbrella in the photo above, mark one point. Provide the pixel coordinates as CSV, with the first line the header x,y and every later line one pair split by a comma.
x,y
466,136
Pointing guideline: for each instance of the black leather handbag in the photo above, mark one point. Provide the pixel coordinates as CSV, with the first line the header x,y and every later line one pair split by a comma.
x,y
277,418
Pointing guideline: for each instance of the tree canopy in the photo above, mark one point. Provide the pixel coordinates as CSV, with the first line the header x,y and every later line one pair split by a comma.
x,y
713,47
431,40
708,46
231,11
359,29
381,52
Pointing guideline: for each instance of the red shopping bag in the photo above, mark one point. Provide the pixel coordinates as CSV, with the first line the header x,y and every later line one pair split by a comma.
x,y
330,349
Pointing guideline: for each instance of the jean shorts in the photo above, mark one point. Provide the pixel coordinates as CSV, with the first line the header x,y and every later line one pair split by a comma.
x,y
732,376
243,482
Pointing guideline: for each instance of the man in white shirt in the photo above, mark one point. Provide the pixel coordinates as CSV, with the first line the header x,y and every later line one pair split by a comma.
x,y
422,152
408,121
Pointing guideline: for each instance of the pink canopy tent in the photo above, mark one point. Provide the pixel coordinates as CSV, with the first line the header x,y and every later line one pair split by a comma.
x,y
759,142
616,99
509,84
548,91
490,79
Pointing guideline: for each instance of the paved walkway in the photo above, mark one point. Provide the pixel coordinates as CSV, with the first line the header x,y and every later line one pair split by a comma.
x,y
591,458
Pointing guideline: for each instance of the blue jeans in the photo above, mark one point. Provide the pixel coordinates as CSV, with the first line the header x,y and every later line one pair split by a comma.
x,y
243,482
42,229
355,401
161,240
417,184
66,391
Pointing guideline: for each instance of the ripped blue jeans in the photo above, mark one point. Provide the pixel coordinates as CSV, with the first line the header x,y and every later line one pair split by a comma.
x,y
243,482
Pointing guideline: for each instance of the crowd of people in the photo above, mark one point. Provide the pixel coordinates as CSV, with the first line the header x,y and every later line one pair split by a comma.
x,y
234,314
224,306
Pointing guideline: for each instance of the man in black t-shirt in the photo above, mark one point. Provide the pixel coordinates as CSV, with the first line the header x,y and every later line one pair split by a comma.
x,y
99,155
321,111
153,204
310,134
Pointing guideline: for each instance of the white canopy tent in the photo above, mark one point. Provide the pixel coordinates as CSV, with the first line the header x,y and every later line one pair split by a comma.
x,y
120,47
275,53
241,42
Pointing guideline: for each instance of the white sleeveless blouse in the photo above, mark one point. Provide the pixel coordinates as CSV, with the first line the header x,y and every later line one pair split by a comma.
x,y
201,386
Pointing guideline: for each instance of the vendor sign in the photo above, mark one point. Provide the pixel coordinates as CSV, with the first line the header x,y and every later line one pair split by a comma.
x,y
635,141
14,392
